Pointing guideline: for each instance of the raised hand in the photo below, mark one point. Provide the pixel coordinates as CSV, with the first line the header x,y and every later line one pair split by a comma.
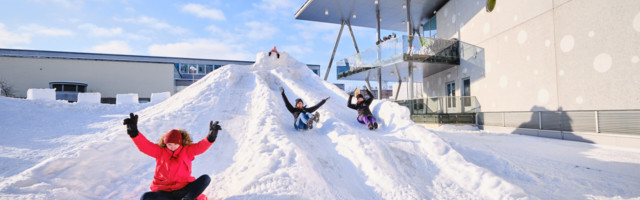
x,y
281,90
213,131
132,125
325,99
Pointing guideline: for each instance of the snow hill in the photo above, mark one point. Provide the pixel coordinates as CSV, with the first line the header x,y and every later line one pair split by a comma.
x,y
258,154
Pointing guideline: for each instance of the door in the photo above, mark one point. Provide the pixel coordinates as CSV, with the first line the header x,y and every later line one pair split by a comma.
x,y
451,93
466,92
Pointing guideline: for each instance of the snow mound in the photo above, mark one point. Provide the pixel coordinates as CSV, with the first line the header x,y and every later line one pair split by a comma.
x,y
258,154
41,94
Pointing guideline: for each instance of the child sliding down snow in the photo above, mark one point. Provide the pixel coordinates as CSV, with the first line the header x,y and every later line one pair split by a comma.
x,y
362,106
173,153
301,114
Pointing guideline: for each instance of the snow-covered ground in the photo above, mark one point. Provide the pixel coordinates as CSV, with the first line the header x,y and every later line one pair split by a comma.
x,y
56,150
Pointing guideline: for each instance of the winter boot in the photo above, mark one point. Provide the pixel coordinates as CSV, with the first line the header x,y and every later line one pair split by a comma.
x,y
370,126
313,118
375,125
316,117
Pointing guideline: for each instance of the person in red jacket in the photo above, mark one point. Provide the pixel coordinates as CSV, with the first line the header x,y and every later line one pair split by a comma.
x,y
173,153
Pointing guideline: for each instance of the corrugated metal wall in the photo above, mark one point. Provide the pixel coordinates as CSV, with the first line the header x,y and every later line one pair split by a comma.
x,y
618,122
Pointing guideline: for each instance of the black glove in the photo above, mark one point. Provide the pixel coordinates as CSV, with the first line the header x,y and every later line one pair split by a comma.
x,y
281,90
325,99
132,125
213,131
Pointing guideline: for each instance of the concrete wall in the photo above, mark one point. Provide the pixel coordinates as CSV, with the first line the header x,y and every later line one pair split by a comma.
x,y
545,54
106,77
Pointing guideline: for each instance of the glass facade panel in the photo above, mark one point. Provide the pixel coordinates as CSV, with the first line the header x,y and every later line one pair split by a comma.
x,y
58,87
209,68
184,68
201,69
193,68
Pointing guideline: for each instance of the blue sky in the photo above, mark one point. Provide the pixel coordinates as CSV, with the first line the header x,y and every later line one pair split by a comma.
x,y
215,29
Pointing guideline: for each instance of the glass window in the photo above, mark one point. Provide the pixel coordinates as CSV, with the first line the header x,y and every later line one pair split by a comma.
x,y
184,68
69,88
193,68
217,66
201,69
209,68
82,88
58,87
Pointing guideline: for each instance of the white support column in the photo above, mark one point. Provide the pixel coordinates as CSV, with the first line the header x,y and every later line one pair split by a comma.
x,y
333,54
597,124
353,38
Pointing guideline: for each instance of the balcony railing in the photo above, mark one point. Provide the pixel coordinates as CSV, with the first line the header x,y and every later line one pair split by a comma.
x,y
401,49
442,105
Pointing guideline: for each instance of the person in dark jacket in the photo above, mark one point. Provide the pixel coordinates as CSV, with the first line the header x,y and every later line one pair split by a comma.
x,y
303,119
173,154
362,106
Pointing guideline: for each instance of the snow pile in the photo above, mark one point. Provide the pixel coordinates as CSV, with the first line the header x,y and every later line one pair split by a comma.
x,y
159,97
131,98
89,97
258,154
41,94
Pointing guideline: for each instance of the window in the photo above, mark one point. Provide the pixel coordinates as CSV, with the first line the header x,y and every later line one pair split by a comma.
x,y
82,88
217,66
466,91
451,93
193,68
201,69
69,88
58,87
209,68
184,68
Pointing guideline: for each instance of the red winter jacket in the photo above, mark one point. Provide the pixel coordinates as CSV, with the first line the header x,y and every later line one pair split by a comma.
x,y
173,169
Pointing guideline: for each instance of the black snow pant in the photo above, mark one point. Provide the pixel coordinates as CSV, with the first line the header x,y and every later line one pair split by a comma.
x,y
190,191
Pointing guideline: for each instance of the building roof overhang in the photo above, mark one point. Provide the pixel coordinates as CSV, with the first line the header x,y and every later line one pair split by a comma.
x,y
362,13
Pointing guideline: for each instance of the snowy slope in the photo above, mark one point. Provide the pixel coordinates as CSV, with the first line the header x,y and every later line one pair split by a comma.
x,y
258,155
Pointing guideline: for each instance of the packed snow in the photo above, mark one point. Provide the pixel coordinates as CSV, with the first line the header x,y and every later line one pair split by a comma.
x,y
45,94
129,98
89,97
58,150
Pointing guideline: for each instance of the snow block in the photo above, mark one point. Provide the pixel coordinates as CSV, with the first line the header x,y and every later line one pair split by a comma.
x,y
91,97
48,94
131,98
159,97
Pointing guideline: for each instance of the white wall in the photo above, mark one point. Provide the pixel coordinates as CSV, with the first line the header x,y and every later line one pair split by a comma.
x,y
545,54
107,77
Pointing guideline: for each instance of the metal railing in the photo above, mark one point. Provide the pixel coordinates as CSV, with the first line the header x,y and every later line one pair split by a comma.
x,y
396,50
601,121
442,105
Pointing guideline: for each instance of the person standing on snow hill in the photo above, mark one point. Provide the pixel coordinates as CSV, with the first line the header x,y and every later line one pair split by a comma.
x,y
362,106
301,114
174,154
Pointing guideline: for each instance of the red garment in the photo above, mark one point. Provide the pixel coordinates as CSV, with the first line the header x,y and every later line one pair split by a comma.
x,y
173,169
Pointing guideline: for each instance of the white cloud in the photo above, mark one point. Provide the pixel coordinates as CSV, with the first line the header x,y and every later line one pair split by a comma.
x,y
260,30
223,34
7,37
41,30
202,48
114,47
100,31
204,12
154,23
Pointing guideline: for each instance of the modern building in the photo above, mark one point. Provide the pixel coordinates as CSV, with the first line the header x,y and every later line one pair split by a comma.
x,y
109,74
566,69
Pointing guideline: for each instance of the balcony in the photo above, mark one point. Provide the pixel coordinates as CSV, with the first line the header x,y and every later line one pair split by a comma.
x,y
443,110
428,55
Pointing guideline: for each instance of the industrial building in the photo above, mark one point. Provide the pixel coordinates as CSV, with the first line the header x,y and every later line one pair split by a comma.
x,y
108,74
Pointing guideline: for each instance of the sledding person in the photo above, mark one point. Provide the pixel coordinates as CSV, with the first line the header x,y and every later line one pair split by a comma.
x,y
301,114
173,153
362,106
